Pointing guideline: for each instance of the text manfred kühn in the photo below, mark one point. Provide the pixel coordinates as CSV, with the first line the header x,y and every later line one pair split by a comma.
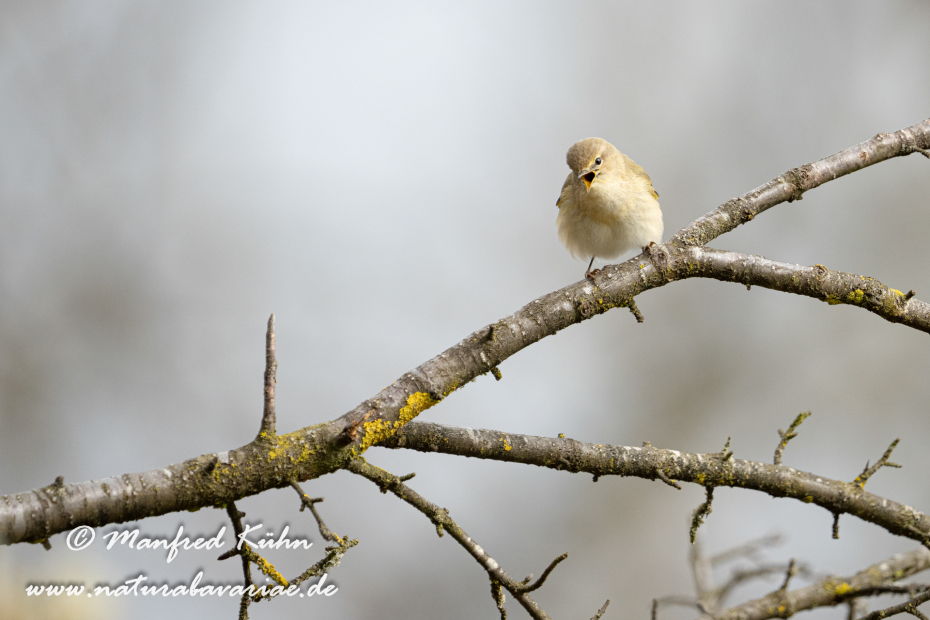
x,y
131,539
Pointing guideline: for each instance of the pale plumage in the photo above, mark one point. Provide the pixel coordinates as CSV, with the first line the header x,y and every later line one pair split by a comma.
x,y
607,206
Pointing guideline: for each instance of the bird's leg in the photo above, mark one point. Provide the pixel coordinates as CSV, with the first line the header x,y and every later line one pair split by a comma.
x,y
590,274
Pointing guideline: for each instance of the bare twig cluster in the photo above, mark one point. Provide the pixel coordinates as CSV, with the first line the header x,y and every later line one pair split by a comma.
x,y
709,598
388,482
880,578
248,555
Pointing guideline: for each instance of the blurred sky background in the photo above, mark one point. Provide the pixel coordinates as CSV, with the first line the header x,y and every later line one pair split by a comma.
x,y
383,177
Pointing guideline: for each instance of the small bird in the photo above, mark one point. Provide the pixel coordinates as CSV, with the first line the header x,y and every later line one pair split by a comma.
x,y
607,206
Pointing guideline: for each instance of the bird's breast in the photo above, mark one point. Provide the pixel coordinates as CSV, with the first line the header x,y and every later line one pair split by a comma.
x,y
603,204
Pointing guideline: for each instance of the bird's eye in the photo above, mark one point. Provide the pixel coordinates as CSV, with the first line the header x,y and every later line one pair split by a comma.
x,y
598,161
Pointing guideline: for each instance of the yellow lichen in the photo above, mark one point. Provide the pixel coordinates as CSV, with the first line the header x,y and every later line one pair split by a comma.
x,y
833,300
855,297
377,431
807,499
416,404
890,305
843,588
266,567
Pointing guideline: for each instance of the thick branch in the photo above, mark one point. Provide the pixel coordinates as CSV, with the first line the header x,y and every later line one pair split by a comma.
x,y
703,469
831,591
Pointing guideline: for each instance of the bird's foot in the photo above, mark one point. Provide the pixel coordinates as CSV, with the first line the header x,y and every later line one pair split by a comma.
x,y
655,253
590,273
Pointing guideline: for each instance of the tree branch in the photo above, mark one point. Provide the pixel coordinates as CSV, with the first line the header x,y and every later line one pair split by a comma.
x,y
276,460
707,470
909,607
831,591
792,185
444,523
788,435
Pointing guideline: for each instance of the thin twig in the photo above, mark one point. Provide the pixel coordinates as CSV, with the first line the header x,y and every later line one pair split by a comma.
x,y
701,572
330,561
542,578
680,601
308,502
911,589
747,549
440,517
867,473
741,576
249,556
497,594
600,612
704,509
236,517
909,607
271,368
664,478
788,435
726,454
791,572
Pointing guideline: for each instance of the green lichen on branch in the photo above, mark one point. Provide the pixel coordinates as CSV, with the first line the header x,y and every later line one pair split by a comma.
x,y
699,514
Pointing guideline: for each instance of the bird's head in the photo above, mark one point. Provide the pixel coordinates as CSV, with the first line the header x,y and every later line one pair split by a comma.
x,y
589,158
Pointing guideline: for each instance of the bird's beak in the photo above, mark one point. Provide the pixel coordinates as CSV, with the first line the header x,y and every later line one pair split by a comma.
x,y
587,175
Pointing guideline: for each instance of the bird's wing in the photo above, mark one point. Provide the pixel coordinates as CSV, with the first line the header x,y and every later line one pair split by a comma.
x,y
568,181
637,170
